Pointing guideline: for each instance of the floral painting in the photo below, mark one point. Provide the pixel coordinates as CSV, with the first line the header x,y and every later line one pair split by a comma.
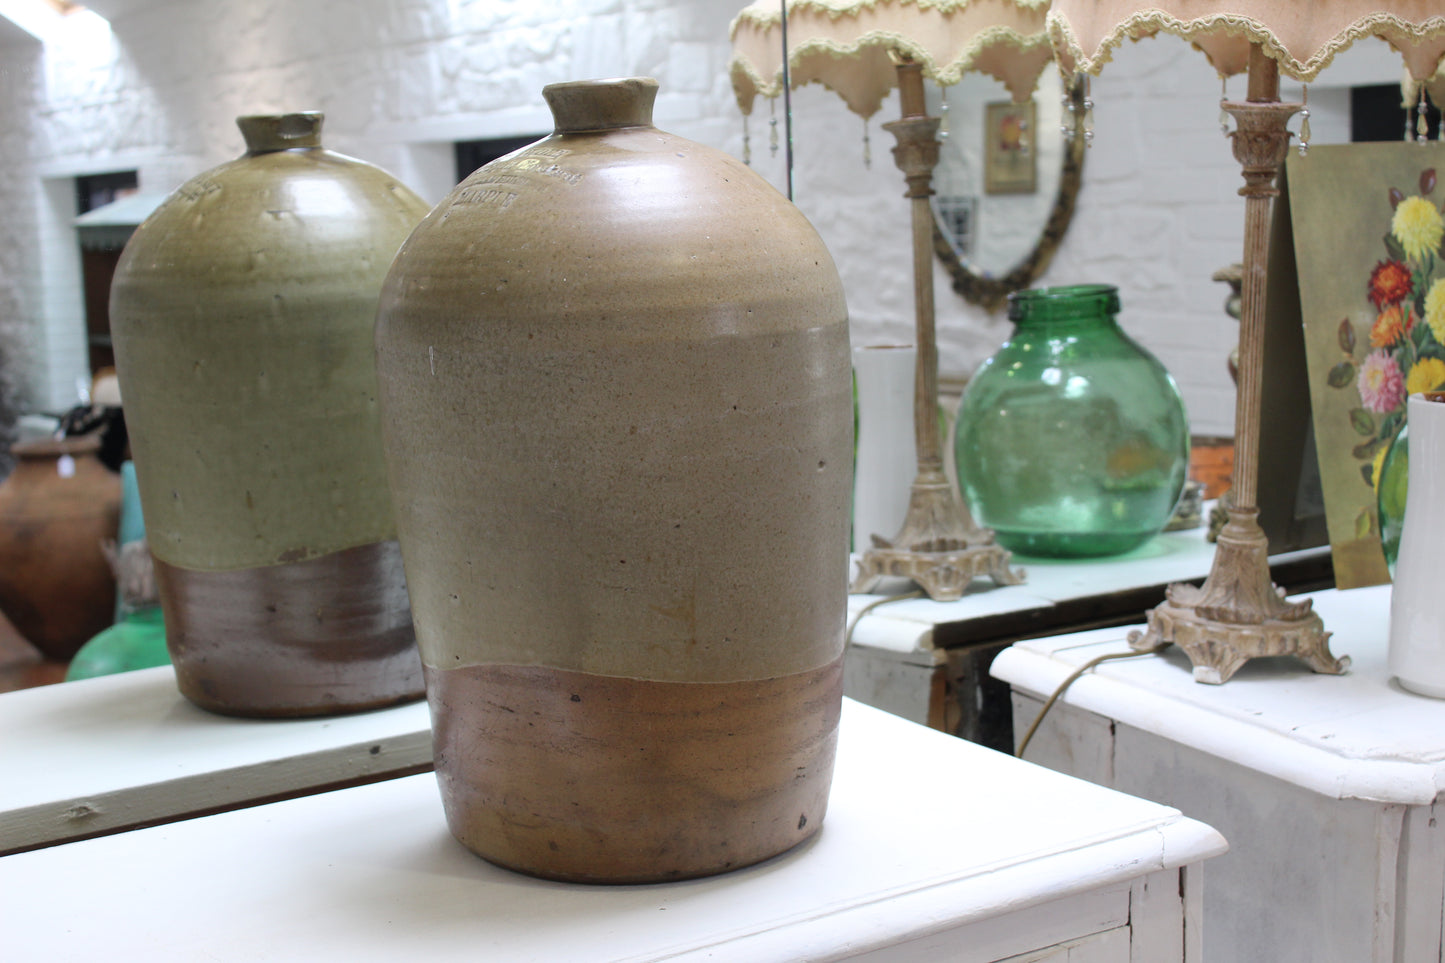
x,y
1404,352
1368,231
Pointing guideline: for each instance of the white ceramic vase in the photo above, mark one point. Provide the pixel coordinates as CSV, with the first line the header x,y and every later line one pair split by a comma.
x,y
1417,620
887,455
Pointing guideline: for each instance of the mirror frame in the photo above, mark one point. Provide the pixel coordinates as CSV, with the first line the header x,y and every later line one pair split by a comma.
x,y
991,293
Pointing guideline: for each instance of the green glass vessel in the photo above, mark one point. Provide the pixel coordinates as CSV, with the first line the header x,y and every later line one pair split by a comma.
x,y
1390,490
137,641
1071,440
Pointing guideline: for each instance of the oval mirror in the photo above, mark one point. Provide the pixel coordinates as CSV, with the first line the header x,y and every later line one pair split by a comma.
x,y
1005,185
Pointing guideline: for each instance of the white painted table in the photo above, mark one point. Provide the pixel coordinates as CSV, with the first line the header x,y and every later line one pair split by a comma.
x,y
928,661
100,755
933,849
1328,787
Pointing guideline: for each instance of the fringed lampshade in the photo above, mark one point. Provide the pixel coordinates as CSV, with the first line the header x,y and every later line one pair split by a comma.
x,y
862,49
1238,614
853,48
1300,36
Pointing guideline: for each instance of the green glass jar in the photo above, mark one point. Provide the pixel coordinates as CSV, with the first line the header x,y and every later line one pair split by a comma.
x,y
137,641
1390,490
1071,440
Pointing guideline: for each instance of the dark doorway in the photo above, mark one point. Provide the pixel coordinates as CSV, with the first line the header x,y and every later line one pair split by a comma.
x,y
98,260
472,154
1377,114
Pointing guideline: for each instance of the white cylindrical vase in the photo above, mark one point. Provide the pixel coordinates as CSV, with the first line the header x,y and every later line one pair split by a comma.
x,y
1417,621
887,459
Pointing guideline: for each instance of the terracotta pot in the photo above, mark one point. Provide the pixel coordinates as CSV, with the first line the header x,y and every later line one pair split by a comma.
x,y
617,409
56,508
242,312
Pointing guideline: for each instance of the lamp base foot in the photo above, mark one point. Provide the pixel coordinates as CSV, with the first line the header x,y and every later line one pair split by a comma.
x,y
1238,614
940,547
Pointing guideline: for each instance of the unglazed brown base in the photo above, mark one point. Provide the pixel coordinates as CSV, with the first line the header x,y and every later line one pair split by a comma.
x,y
320,637
589,778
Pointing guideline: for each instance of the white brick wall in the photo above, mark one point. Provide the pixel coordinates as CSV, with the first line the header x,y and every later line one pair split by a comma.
x,y
62,340
157,89
19,76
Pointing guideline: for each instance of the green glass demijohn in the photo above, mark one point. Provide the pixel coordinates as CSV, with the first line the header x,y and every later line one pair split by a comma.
x,y
1071,440
1390,490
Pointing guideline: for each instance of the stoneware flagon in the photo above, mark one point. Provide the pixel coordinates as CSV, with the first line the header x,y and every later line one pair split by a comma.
x,y
617,411
242,312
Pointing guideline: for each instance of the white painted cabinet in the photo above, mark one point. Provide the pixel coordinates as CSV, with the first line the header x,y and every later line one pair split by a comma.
x,y
933,849
1327,787
928,661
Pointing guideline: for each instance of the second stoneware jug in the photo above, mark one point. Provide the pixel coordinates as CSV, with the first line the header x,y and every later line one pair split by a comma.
x,y
242,312
617,410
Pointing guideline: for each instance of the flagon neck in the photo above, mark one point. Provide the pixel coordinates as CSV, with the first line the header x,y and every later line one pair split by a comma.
x,y
268,133
584,106
1077,302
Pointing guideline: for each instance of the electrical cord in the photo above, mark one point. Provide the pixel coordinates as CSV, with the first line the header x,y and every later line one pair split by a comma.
x,y
1034,727
1049,703
848,636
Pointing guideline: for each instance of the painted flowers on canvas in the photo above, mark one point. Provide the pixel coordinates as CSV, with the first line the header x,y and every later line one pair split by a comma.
x,y
1403,351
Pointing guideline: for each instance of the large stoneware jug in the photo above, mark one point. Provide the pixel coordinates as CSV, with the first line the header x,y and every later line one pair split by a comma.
x,y
616,398
242,312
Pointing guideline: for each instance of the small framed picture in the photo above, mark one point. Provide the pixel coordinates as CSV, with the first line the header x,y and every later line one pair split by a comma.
x,y
1009,158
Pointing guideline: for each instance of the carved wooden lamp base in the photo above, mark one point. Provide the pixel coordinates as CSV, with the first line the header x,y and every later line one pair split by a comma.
x,y
1238,614
939,547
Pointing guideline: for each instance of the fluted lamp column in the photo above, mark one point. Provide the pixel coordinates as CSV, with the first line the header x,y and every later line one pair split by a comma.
x,y
862,49
1238,614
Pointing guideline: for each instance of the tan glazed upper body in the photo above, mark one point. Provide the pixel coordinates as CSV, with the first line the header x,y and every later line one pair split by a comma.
x,y
243,311
615,373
